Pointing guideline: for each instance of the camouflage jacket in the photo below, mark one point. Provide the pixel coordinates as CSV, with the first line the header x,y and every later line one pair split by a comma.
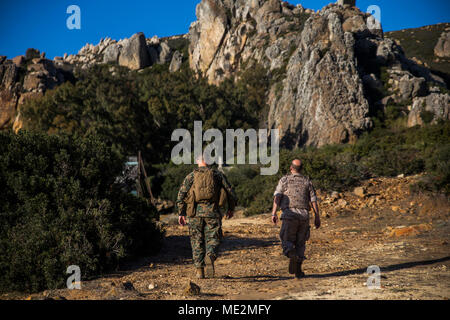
x,y
205,210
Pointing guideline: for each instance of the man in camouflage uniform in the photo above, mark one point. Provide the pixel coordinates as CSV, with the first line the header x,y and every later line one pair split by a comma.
x,y
295,194
205,228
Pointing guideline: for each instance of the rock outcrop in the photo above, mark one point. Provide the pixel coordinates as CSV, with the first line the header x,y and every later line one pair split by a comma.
x,y
442,48
319,96
28,76
429,109
177,61
135,53
328,69
22,78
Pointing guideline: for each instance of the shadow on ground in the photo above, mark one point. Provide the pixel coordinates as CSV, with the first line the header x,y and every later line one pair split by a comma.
x,y
177,250
231,243
258,278
389,268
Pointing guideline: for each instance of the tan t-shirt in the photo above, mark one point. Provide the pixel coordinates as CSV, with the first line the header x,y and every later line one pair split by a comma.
x,y
297,192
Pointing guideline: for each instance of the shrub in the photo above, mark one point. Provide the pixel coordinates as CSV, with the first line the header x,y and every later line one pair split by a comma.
x,y
173,178
59,206
427,116
438,169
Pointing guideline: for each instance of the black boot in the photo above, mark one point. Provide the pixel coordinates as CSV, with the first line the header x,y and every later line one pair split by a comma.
x,y
299,273
293,262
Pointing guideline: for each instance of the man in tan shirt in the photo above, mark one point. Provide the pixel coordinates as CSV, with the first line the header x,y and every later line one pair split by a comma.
x,y
295,194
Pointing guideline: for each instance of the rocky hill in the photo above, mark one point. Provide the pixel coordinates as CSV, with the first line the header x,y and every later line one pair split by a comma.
x,y
330,72
428,46
31,75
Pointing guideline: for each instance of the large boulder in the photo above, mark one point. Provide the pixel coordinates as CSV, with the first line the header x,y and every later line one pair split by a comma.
x,y
177,61
429,109
165,53
412,87
133,53
111,53
442,48
325,68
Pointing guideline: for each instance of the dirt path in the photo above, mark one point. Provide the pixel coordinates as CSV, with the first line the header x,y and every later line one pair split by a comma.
x,y
414,261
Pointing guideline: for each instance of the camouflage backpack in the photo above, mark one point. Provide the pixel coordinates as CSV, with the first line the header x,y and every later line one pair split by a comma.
x,y
190,204
205,187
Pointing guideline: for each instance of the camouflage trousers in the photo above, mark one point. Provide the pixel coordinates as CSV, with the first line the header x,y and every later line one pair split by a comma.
x,y
206,235
293,235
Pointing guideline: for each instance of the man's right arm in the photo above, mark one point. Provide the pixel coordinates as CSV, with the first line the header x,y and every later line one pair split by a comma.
x,y
277,196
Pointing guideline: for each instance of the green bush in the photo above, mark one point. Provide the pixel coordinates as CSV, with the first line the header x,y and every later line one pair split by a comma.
x,y
173,177
427,116
438,169
59,206
133,111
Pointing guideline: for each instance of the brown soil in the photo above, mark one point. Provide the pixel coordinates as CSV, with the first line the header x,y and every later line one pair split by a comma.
x,y
406,235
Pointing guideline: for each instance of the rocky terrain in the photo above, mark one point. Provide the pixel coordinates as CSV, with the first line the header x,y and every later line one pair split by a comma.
x,y
330,71
379,223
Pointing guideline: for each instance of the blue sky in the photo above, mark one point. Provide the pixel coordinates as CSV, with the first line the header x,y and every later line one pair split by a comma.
x,y
42,24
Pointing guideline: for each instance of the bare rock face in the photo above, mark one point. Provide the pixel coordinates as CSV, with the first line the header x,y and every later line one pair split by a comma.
x,y
327,68
9,92
429,109
176,62
8,104
442,48
27,77
207,33
322,100
111,54
164,52
133,53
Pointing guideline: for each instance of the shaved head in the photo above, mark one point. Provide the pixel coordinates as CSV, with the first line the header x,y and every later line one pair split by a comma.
x,y
296,165
201,161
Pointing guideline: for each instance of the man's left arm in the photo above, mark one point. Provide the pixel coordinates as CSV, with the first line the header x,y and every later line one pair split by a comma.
x,y
182,193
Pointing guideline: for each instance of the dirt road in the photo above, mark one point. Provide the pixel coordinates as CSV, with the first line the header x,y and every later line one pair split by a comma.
x,y
411,247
